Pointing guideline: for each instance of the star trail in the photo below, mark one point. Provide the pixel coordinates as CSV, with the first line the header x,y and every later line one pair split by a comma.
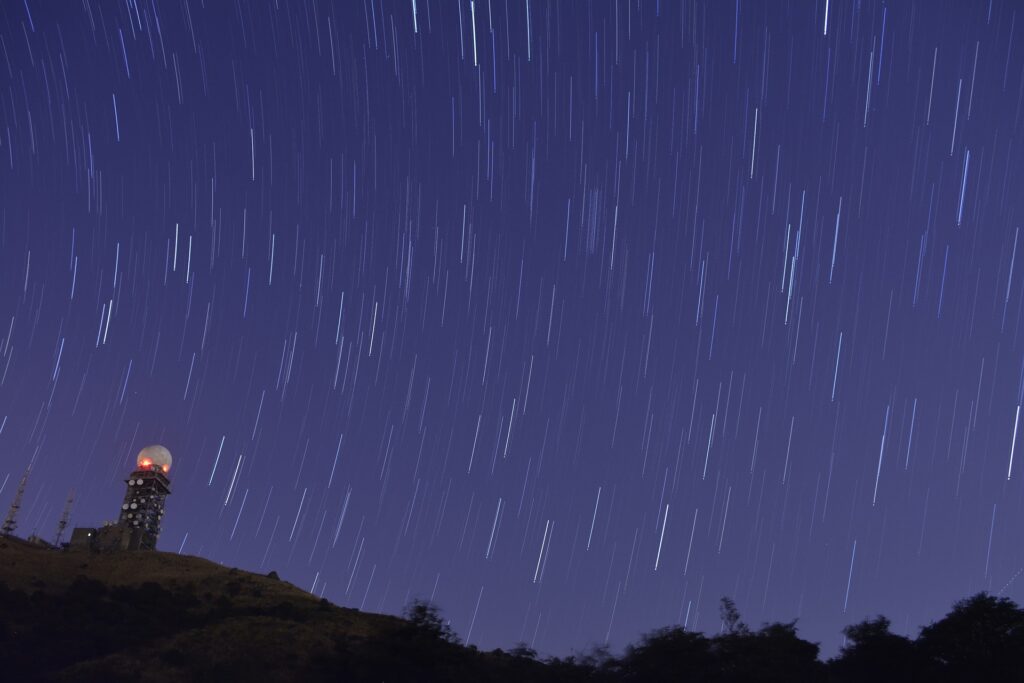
x,y
570,317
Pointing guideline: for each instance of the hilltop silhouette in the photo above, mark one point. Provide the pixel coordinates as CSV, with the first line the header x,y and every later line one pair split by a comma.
x,y
153,616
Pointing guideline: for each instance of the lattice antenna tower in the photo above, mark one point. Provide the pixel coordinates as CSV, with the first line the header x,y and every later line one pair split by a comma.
x,y
64,518
11,522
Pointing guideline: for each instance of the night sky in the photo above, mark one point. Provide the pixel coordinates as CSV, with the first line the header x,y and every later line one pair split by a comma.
x,y
571,317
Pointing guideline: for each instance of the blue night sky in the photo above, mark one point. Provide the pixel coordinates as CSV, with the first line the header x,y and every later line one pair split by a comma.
x,y
573,317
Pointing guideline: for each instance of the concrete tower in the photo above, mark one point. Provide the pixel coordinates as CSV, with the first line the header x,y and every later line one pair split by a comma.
x,y
143,505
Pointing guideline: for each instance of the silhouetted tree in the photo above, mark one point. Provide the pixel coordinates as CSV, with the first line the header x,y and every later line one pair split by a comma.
x,y
523,651
669,654
773,653
425,617
872,651
597,657
731,622
981,639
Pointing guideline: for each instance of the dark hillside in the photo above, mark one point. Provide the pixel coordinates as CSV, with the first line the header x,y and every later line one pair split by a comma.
x,y
152,616
161,617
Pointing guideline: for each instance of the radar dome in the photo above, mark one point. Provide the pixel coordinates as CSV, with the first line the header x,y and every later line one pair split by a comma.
x,y
154,457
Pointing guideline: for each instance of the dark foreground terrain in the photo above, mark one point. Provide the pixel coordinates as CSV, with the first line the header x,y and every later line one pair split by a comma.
x,y
77,616
152,616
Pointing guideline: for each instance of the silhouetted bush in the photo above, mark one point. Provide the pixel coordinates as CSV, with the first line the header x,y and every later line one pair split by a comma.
x,y
523,650
425,618
872,648
662,653
772,653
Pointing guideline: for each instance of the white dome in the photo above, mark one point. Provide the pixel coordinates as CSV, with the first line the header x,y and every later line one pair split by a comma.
x,y
154,456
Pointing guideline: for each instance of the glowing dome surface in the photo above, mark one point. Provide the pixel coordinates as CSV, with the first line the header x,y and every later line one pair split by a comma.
x,y
154,456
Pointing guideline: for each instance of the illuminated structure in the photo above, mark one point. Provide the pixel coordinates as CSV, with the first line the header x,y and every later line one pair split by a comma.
x,y
143,506
138,525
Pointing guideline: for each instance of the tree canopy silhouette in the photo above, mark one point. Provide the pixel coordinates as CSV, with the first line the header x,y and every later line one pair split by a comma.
x,y
871,647
425,617
982,638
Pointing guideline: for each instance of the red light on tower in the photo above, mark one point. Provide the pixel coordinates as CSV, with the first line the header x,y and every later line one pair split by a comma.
x,y
154,458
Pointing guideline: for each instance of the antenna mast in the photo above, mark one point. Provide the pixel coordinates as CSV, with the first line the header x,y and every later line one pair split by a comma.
x,y
63,523
11,523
